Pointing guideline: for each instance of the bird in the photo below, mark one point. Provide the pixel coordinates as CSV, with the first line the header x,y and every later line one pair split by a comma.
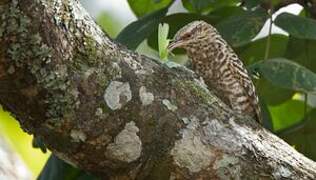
x,y
216,62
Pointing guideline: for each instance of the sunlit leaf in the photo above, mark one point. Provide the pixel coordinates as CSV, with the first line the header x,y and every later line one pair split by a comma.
x,y
108,23
300,27
163,41
21,142
302,135
287,74
144,7
137,31
287,114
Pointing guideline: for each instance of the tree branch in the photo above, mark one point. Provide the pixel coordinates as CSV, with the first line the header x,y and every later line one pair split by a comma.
x,y
119,114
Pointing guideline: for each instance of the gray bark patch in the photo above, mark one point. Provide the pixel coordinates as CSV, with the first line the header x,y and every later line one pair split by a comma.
x,y
190,152
145,96
127,146
227,167
78,135
117,94
281,172
169,105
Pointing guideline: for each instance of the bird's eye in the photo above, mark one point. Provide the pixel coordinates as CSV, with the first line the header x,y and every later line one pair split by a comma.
x,y
186,36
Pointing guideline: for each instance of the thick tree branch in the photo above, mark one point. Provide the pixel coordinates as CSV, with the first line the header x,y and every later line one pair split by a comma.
x,y
121,115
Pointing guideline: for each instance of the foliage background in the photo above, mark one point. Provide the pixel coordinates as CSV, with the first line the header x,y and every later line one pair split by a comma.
x,y
285,63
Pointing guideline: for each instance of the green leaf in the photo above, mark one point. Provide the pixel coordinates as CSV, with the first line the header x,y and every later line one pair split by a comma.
x,y
52,170
38,142
302,135
178,20
137,31
163,41
144,7
287,74
300,27
197,6
272,94
58,169
19,140
266,116
251,3
302,51
287,114
255,51
202,6
241,29
223,13
275,2
108,23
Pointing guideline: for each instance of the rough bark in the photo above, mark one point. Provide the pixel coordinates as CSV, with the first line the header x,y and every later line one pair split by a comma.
x,y
122,115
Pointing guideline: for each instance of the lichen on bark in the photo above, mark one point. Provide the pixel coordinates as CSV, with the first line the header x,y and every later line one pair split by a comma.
x,y
119,114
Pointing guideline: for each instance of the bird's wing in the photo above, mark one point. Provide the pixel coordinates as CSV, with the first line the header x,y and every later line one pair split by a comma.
x,y
246,83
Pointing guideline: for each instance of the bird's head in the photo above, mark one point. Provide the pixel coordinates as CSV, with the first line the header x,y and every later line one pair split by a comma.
x,y
192,33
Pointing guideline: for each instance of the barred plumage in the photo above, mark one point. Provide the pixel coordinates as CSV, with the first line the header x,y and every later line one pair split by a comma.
x,y
220,67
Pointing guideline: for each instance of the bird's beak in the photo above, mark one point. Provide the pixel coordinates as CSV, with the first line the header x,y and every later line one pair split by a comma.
x,y
174,44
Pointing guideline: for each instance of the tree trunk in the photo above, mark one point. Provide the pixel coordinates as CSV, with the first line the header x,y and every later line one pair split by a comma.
x,y
122,115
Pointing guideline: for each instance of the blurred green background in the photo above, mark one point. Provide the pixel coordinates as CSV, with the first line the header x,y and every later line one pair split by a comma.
x,y
21,142
282,53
